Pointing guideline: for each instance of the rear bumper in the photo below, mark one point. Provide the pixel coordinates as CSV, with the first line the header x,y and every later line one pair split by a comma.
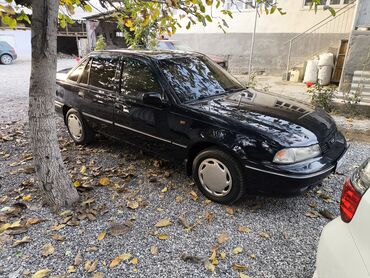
x,y
337,254
295,178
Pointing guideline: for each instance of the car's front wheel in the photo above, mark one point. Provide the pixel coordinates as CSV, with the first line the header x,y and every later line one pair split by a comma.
x,y
219,176
78,128
6,59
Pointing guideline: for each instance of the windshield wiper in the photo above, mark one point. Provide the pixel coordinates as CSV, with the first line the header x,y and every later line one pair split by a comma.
x,y
234,90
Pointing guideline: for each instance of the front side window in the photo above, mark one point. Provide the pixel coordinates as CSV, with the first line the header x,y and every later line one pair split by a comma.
x,y
197,77
103,72
137,79
77,72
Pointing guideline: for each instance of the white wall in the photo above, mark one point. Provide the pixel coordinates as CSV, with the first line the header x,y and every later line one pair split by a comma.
x,y
20,40
298,19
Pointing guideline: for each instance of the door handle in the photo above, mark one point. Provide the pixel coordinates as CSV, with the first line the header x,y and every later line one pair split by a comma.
x,y
81,94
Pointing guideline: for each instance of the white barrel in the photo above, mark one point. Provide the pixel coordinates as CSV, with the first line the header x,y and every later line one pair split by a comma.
x,y
311,72
326,59
325,75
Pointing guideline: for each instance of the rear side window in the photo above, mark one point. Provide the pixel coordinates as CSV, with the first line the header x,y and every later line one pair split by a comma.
x,y
77,72
138,78
103,71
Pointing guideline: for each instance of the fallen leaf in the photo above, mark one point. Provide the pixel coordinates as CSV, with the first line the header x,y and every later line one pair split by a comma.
x,y
244,229
179,199
209,216
102,235
222,238
78,259
184,222
163,223
25,239
163,236
90,266
312,214
264,235
57,237
190,258
47,249
237,250
327,214
71,269
165,189
210,267
229,210
242,275
134,261
32,221
41,273
119,229
132,204
77,183
98,275
83,170
104,181
194,195
237,266
27,197
154,250
223,255
116,261
58,227
253,256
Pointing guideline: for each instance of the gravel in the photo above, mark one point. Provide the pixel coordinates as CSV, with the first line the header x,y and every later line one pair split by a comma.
x,y
281,243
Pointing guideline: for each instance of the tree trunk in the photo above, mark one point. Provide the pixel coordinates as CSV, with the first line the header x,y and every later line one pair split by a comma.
x,y
54,182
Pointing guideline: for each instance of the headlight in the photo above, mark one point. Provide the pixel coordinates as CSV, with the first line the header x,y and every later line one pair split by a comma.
x,y
292,155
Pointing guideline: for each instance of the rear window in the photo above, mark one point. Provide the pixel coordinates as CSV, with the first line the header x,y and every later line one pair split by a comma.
x,y
103,72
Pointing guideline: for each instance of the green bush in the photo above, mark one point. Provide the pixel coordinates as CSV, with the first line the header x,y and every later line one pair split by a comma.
x,y
100,43
322,97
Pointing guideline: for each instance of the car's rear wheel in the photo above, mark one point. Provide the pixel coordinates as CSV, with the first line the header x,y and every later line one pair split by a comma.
x,y
78,128
219,176
6,59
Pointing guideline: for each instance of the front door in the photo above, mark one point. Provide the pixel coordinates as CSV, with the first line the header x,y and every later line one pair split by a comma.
x,y
136,122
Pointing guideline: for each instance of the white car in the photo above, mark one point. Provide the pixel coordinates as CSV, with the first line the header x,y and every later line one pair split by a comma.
x,y
344,247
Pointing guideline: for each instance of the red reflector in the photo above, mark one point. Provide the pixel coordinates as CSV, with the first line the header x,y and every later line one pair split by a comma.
x,y
349,201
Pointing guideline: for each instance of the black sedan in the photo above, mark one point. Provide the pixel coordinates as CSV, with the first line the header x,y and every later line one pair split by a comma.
x,y
186,108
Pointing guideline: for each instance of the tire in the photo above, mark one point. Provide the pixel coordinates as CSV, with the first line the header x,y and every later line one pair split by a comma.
x,y
214,168
6,59
79,130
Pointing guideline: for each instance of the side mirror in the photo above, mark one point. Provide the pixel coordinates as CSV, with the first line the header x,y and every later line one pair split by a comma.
x,y
153,99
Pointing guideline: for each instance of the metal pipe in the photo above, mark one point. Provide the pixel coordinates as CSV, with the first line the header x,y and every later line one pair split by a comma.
x,y
252,44
288,62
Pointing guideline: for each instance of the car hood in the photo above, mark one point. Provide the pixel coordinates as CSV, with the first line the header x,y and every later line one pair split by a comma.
x,y
284,120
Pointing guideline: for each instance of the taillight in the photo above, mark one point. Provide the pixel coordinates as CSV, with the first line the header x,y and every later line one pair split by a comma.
x,y
349,201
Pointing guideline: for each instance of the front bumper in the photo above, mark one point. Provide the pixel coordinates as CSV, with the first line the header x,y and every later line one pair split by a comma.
x,y
270,177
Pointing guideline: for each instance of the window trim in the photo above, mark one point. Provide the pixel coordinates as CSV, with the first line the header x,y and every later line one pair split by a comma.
x,y
245,9
74,68
341,4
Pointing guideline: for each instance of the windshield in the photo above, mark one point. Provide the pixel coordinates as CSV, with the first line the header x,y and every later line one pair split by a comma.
x,y
195,78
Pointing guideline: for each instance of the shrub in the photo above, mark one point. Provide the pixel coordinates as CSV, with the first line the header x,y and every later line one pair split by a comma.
x,y
100,43
322,96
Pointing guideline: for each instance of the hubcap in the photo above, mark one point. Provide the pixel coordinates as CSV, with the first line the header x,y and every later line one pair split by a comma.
x,y
215,177
6,59
75,126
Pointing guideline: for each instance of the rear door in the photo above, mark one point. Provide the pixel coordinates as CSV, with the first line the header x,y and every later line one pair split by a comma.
x,y
99,95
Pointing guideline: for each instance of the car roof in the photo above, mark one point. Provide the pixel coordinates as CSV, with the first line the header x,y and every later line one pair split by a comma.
x,y
155,54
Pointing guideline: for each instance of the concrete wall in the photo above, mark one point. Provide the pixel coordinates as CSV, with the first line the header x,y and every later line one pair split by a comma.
x,y
20,40
271,50
272,35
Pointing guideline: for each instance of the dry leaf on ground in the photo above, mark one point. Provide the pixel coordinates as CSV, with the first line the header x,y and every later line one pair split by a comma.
x,y
222,238
102,235
90,266
47,249
154,250
237,250
41,273
163,223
